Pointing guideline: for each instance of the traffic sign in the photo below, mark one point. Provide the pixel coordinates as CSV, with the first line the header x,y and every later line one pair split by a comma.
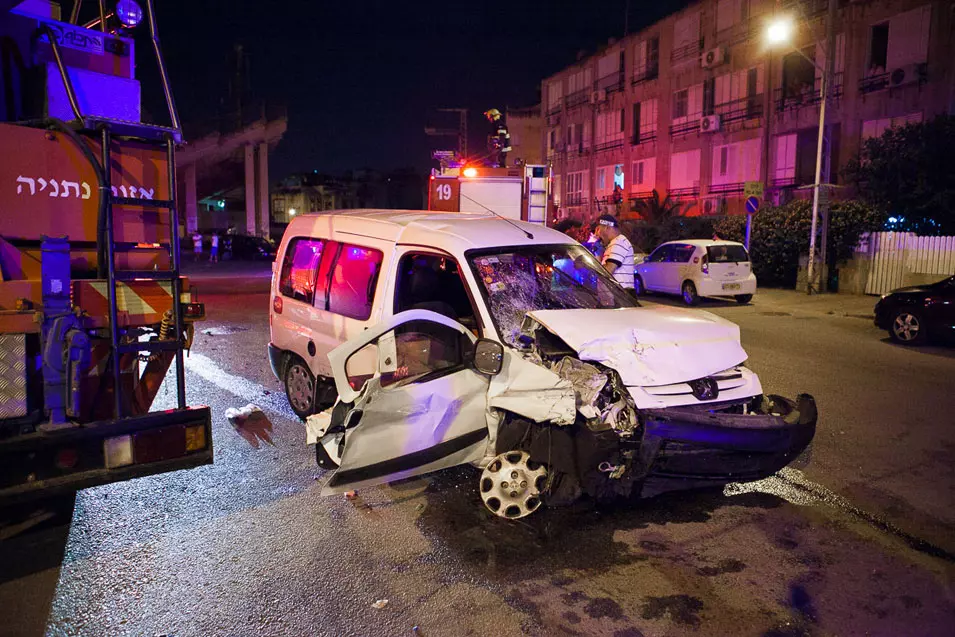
x,y
752,205
753,189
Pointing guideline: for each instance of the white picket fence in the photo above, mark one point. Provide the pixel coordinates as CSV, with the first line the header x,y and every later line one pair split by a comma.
x,y
896,255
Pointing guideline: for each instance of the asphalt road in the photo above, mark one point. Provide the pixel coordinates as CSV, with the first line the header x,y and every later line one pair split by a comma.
x,y
858,542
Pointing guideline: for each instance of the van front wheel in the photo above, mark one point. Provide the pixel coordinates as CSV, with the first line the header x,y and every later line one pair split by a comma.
x,y
300,388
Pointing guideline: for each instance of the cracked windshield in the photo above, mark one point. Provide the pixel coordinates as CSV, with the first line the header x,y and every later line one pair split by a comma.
x,y
516,281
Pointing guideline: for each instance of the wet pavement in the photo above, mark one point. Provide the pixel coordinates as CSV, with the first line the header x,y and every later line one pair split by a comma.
x,y
859,541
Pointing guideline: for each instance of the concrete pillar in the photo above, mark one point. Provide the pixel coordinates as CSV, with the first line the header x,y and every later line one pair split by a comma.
x,y
262,189
250,189
191,207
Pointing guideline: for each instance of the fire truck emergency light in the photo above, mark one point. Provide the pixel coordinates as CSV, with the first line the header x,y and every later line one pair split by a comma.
x,y
470,172
129,13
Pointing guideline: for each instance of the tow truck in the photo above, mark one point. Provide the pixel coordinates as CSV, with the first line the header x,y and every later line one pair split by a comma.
x,y
93,308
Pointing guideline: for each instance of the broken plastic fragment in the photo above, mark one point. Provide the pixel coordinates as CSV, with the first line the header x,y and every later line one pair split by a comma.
x,y
251,423
381,603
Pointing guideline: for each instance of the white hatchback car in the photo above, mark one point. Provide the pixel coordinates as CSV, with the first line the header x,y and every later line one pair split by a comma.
x,y
698,267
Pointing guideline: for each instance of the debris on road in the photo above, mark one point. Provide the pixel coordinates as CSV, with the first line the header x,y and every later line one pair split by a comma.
x,y
351,495
251,423
381,603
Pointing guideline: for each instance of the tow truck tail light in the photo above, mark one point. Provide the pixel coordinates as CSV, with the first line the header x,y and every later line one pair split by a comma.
x,y
277,304
194,310
705,264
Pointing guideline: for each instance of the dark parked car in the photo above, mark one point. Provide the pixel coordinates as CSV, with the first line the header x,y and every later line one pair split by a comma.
x,y
248,248
915,314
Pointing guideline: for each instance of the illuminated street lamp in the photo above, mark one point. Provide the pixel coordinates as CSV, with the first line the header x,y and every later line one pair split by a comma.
x,y
780,33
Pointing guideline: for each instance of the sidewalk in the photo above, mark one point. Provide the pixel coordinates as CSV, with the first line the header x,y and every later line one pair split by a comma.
x,y
849,305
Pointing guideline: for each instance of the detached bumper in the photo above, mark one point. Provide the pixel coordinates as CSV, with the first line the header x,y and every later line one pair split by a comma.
x,y
685,448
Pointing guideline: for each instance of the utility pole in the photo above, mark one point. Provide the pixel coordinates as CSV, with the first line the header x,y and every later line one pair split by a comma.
x,y
824,97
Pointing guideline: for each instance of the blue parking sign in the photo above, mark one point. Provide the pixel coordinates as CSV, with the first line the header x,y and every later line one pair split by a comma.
x,y
752,205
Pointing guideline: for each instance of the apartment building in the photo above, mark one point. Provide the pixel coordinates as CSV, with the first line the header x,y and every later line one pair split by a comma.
x,y
698,104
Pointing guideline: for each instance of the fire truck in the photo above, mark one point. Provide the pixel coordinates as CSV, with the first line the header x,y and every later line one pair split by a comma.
x,y
93,309
515,192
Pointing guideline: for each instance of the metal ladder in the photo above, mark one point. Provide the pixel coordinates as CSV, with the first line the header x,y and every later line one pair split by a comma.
x,y
157,136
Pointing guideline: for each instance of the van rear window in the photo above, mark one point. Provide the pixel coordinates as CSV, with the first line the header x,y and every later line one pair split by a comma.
x,y
300,269
727,254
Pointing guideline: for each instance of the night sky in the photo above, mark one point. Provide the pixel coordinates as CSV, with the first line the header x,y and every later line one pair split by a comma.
x,y
362,79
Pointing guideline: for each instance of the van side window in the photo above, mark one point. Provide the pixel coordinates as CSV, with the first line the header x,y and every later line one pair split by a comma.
x,y
353,283
299,269
433,282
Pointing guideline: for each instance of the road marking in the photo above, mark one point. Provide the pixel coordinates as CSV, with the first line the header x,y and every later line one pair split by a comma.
x,y
244,388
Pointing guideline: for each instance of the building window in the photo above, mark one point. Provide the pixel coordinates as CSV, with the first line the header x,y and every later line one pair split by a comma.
x,y
555,93
681,103
577,188
602,181
609,129
643,178
685,171
646,60
278,204
686,37
784,172
735,164
879,46
730,12
876,127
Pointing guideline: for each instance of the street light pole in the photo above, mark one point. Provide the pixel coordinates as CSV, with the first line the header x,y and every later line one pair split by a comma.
x,y
823,98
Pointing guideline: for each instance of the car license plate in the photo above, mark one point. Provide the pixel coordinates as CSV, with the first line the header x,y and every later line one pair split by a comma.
x,y
731,286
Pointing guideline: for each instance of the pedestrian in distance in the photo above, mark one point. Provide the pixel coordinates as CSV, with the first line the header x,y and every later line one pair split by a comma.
x,y
196,246
214,252
618,255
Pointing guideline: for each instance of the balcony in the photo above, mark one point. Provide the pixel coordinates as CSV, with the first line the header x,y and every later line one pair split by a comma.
x,y
726,189
807,95
608,145
611,83
577,98
643,138
684,193
741,109
574,199
692,125
578,150
554,109
784,182
686,52
647,73
892,79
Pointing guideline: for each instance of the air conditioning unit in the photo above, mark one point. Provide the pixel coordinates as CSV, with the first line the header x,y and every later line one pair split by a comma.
x,y
710,124
600,95
715,205
908,74
713,57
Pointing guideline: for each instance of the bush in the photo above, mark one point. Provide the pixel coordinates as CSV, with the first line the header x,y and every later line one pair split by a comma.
x,y
781,234
646,237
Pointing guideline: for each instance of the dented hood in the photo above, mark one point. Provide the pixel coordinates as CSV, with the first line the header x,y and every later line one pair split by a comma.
x,y
647,346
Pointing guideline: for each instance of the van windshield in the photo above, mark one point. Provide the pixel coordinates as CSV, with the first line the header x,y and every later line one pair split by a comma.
x,y
727,253
518,280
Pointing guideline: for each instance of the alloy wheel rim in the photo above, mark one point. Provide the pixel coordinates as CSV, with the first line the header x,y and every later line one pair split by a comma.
x,y
906,327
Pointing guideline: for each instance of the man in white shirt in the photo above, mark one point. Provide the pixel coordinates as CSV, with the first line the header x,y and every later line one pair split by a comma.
x,y
618,255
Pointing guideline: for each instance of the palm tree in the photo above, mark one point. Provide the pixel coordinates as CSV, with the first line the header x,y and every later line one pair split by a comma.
x,y
655,212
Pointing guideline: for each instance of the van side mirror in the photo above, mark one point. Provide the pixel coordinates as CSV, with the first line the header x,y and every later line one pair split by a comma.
x,y
646,259
488,357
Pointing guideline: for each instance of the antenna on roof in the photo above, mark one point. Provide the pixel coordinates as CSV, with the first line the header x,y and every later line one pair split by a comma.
x,y
526,232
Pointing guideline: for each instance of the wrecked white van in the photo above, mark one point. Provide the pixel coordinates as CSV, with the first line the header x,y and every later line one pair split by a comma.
x,y
452,338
